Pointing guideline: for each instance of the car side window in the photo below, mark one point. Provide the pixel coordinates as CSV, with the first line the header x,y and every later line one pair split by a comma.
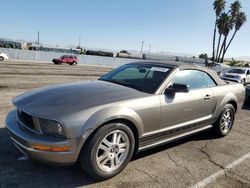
x,y
194,79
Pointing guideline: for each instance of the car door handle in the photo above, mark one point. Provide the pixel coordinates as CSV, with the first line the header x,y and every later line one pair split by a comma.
x,y
207,97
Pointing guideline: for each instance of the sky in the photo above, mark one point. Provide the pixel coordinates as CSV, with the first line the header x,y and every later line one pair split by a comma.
x,y
180,26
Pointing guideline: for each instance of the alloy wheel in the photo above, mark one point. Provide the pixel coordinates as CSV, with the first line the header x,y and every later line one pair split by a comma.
x,y
112,151
226,121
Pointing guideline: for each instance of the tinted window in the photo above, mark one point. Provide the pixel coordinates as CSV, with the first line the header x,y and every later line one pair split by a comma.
x,y
237,71
194,79
143,77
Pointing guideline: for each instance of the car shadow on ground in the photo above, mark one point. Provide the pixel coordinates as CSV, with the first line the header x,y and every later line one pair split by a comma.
x,y
246,105
206,135
16,172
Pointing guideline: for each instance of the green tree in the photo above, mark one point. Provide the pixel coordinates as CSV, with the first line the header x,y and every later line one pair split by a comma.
x,y
203,56
233,63
219,6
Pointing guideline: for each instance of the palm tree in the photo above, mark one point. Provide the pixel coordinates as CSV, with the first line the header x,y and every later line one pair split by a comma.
x,y
219,6
220,26
226,26
240,19
235,9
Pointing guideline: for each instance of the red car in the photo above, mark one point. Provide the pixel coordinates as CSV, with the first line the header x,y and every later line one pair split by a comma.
x,y
69,59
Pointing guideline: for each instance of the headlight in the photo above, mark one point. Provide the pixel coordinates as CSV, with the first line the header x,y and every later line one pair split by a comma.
x,y
50,127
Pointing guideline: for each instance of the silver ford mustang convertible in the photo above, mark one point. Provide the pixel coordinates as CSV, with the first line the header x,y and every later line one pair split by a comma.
x,y
135,107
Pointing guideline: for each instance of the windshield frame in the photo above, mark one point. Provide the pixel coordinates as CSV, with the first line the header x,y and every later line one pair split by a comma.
x,y
138,87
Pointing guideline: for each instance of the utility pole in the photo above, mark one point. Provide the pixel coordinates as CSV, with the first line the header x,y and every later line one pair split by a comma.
x,y
149,48
142,43
38,37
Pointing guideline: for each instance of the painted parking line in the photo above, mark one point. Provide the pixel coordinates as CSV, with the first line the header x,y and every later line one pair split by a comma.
x,y
220,173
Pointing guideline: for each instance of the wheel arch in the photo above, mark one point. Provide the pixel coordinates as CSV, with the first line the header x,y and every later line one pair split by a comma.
x,y
124,121
230,98
234,103
109,115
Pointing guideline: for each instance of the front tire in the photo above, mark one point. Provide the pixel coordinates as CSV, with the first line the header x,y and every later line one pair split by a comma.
x,y
225,122
244,82
1,58
108,151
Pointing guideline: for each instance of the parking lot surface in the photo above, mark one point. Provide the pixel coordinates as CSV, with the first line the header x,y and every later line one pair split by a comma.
x,y
200,160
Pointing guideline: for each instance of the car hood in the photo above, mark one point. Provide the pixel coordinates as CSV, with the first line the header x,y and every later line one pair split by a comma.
x,y
64,99
232,74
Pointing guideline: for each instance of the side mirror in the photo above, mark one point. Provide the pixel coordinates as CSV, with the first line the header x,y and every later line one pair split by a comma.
x,y
177,88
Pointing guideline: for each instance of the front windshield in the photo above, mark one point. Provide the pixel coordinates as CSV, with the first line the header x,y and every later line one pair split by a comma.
x,y
237,71
143,77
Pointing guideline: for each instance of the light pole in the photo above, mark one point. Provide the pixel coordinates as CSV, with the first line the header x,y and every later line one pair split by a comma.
x,y
142,43
38,37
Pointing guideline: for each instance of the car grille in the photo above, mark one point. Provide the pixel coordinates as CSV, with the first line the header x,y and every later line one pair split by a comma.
x,y
26,120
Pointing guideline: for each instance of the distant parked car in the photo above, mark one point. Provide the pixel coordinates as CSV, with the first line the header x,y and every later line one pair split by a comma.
x,y
3,56
241,75
68,59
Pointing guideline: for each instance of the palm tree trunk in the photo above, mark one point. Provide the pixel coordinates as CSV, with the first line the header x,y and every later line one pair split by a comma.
x,y
217,53
230,41
224,50
213,58
222,46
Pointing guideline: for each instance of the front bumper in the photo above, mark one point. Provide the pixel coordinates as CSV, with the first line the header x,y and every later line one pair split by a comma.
x,y
24,139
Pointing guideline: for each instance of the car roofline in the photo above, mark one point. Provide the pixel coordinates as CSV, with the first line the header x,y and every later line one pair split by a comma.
x,y
185,66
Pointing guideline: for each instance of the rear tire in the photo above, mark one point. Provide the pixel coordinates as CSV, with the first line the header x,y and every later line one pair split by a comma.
x,y
55,62
105,155
1,58
225,122
74,64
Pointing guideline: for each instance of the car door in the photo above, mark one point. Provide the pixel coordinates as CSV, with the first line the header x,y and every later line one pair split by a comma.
x,y
64,58
71,59
196,106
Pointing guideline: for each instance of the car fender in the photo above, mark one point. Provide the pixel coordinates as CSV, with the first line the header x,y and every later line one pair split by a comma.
x,y
226,99
107,114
